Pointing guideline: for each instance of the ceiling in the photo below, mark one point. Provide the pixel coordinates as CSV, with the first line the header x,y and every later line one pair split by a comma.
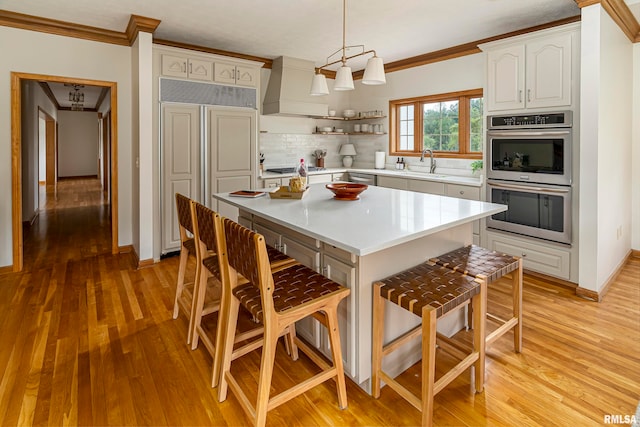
x,y
312,29
93,95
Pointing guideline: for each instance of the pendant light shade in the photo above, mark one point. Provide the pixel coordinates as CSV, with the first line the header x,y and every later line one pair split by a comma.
x,y
319,85
344,79
374,72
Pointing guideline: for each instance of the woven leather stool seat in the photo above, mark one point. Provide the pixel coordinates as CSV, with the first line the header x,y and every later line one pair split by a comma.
x,y
429,291
293,287
474,261
437,287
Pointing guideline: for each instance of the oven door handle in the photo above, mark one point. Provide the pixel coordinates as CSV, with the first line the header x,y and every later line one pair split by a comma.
x,y
529,189
529,133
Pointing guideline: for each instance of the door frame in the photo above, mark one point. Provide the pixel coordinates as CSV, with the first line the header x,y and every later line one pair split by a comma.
x,y
16,157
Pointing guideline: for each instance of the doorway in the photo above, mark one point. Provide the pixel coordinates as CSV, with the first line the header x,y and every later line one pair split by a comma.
x,y
16,157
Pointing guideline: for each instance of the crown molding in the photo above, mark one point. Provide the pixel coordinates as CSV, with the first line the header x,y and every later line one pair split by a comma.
x,y
140,23
61,28
620,13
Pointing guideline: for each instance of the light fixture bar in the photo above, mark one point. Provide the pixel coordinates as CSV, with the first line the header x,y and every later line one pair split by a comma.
x,y
373,73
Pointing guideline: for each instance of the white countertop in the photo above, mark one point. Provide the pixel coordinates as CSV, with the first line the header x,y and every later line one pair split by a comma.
x,y
380,219
449,179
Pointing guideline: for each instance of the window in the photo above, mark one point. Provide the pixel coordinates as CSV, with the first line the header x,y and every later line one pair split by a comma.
x,y
449,124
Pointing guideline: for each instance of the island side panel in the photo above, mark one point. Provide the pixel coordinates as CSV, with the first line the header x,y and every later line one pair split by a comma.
x,y
385,263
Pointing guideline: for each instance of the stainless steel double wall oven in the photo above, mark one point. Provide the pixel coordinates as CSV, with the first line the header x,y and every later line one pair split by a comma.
x,y
529,169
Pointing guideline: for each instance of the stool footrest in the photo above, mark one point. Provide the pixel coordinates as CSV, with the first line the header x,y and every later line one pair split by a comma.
x,y
501,330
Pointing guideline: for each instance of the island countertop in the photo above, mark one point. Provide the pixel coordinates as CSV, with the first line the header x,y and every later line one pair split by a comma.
x,y
380,219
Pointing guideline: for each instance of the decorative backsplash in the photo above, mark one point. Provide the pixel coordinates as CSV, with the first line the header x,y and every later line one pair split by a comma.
x,y
286,149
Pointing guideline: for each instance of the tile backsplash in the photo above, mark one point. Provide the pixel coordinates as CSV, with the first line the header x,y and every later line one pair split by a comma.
x,y
286,149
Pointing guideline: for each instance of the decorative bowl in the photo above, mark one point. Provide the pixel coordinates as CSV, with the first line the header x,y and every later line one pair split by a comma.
x,y
349,113
326,129
346,190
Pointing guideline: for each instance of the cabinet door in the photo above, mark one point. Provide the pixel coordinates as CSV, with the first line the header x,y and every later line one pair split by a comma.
x,y
180,165
200,70
429,187
345,274
393,182
174,66
247,76
505,78
308,328
549,72
232,140
224,73
272,238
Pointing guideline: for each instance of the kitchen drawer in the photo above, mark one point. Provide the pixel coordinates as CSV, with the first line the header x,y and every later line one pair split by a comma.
x,y
337,177
271,183
429,187
301,253
325,177
285,232
393,182
463,191
340,254
539,257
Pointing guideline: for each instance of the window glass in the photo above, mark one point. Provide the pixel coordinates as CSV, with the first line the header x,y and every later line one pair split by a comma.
x,y
475,124
440,124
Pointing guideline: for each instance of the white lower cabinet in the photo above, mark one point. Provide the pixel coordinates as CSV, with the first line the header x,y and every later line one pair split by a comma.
x,y
469,193
393,182
537,256
429,187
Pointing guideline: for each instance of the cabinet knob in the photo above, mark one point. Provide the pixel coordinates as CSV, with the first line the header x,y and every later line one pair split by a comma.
x,y
524,255
461,191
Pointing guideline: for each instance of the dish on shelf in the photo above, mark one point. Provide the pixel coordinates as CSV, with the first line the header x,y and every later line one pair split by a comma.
x,y
346,190
340,130
326,129
349,113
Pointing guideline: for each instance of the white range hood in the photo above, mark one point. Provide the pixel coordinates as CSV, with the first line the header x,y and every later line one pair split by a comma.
x,y
289,87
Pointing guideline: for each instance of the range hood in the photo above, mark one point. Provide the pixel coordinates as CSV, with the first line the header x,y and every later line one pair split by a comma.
x,y
289,87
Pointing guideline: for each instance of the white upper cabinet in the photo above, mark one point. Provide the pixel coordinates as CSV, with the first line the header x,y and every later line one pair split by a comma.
x,y
235,74
187,68
201,69
530,73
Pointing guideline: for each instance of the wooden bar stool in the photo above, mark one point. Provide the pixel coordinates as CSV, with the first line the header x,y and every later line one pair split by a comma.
x,y
278,300
184,292
474,260
430,292
210,294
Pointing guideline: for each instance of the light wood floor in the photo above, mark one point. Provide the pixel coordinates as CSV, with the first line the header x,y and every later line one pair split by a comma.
x,y
86,339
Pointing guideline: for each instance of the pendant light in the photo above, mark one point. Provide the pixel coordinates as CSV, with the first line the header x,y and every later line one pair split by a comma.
x,y
373,73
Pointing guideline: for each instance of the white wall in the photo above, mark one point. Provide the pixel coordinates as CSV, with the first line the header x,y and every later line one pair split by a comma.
x,y
77,143
635,154
33,100
39,53
605,148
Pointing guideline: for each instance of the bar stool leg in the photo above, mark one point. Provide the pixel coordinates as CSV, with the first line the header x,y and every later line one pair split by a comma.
x,y
336,353
377,340
184,255
517,306
428,363
229,339
266,372
479,303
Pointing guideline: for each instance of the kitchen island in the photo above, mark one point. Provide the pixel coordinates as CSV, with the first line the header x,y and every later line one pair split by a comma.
x,y
358,242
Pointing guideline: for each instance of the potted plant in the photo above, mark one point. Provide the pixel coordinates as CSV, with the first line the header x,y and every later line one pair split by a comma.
x,y
476,166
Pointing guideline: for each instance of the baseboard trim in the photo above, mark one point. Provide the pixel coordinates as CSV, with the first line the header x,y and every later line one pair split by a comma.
x,y
554,280
146,263
6,269
597,296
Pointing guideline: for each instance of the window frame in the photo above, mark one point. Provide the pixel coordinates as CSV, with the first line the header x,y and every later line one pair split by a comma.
x,y
464,134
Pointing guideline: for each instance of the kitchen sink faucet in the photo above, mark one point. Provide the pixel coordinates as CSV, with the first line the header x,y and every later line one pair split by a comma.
x,y
432,164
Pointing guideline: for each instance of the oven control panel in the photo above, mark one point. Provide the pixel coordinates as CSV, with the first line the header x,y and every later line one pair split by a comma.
x,y
531,121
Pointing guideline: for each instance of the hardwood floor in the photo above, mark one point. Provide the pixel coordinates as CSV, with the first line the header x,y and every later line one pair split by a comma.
x,y
86,339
